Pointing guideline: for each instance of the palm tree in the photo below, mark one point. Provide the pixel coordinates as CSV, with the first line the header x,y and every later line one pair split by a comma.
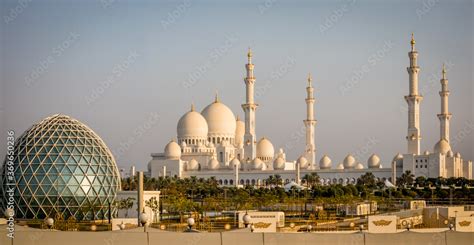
x,y
311,179
153,204
407,178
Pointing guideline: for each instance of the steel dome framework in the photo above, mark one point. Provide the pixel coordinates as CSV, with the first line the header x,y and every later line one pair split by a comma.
x,y
62,167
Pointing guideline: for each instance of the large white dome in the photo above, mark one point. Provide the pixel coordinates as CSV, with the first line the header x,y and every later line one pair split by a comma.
x,y
279,163
193,165
220,120
373,161
172,150
257,164
303,162
213,164
192,125
349,161
265,150
325,162
442,147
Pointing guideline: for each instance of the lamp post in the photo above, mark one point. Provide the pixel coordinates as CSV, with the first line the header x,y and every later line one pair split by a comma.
x,y
451,226
408,226
190,223
144,220
361,228
49,222
122,226
310,227
252,227
247,219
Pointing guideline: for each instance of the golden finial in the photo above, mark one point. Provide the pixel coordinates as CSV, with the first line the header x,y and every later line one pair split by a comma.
x,y
412,41
216,100
192,106
249,54
310,79
238,118
444,71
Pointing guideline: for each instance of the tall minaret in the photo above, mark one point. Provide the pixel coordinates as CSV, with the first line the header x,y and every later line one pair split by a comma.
x,y
413,100
444,116
310,150
250,139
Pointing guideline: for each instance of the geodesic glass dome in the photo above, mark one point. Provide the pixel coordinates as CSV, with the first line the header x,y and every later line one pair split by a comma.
x,y
62,167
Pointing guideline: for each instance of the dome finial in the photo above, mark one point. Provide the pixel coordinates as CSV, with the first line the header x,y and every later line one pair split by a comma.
x,y
444,71
216,100
310,79
249,55
192,106
412,42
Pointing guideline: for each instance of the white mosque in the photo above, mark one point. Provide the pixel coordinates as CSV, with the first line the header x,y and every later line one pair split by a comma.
x,y
214,143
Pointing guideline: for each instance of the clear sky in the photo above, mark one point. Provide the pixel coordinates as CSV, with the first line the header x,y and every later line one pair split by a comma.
x,y
130,69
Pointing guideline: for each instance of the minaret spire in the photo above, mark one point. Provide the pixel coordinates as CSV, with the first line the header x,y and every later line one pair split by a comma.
x,y
413,99
250,138
310,122
216,99
444,116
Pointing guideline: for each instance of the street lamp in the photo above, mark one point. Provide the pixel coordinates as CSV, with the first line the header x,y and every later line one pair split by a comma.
x,y
122,226
252,228
310,227
451,226
49,222
144,220
361,227
190,223
408,226
247,219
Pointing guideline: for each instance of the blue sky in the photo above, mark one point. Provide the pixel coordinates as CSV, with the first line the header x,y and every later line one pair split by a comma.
x,y
130,69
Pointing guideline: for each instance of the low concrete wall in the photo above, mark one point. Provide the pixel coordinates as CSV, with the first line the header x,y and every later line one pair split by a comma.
x,y
231,238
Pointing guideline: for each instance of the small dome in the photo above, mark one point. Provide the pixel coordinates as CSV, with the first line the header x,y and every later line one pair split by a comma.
x,y
239,132
234,162
220,120
303,162
450,154
398,159
192,125
265,149
183,144
213,164
172,150
427,152
340,166
193,164
458,155
279,163
349,161
442,147
257,164
373,162
359,166
325,162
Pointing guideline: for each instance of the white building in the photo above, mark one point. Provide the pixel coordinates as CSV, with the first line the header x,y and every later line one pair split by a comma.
x,y
214,143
